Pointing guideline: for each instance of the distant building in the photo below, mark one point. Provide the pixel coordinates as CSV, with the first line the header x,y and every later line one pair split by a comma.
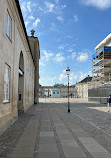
x,y
19,64
82,87
55,93
60,91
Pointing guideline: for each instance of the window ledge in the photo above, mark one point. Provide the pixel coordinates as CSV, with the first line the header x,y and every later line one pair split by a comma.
x,y
6,102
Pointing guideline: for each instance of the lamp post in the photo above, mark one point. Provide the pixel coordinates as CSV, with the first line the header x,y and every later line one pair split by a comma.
x,y
68,73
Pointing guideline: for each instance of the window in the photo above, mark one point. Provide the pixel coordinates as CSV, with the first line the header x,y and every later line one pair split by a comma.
x,y
53,92
57,92
6,83
9,26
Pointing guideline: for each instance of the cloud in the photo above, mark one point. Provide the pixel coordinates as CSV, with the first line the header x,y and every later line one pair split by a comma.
x,y
62,77
101,4
49,6
41,63
59,57
63,6
26,8
53,7
48,81
51,56
47,55
31,17
29,6
82,75
36,22
26,23
60,18
82,57
73,77
76,18
72,56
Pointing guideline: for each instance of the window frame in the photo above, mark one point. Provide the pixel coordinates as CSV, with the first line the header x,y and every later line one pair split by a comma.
x,y
9,28
7,100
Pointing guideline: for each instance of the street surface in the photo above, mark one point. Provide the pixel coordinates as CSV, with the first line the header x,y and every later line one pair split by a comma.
x,y
48,131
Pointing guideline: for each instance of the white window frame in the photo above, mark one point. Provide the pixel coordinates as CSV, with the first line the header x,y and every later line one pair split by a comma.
x,y
9,26
6,98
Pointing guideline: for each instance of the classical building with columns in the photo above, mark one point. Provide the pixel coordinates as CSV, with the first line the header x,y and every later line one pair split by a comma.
x,y
19,64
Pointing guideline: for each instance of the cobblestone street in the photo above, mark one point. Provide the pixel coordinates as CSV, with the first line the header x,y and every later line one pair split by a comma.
x,y
48,131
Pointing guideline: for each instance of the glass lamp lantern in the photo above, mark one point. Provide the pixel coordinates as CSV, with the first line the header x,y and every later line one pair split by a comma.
x,y
68,71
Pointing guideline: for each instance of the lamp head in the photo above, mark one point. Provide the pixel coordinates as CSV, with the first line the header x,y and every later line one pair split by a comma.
x,y
68,71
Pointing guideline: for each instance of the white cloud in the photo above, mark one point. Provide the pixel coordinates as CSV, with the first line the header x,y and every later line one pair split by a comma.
x,y
48,81
72,56
64,71
31,17
47,55
49,6
73,77
29,6
36,22
82,75
63,6
41,63
26,23
76,18
59,57
101,4
60,18
82,57
62,77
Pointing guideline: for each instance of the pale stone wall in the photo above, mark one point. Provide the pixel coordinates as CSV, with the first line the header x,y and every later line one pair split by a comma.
x,y
10,54
63,90
82,90
34,43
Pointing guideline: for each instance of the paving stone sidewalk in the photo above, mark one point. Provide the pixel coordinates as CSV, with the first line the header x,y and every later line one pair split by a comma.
x,y
49,132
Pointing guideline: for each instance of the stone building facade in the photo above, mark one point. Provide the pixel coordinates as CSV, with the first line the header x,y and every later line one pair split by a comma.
x,y
17,64
61,92
82,87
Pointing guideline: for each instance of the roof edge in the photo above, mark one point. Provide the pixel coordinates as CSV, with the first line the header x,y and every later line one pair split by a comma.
x,y
102,43
23,24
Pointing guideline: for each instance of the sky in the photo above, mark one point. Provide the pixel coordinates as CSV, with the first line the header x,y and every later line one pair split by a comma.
x,y
68,32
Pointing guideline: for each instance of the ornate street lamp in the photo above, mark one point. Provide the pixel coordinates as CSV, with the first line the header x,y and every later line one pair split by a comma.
x,y
68,73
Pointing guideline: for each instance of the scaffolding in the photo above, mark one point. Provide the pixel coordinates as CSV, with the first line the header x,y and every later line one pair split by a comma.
x,y
101,67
